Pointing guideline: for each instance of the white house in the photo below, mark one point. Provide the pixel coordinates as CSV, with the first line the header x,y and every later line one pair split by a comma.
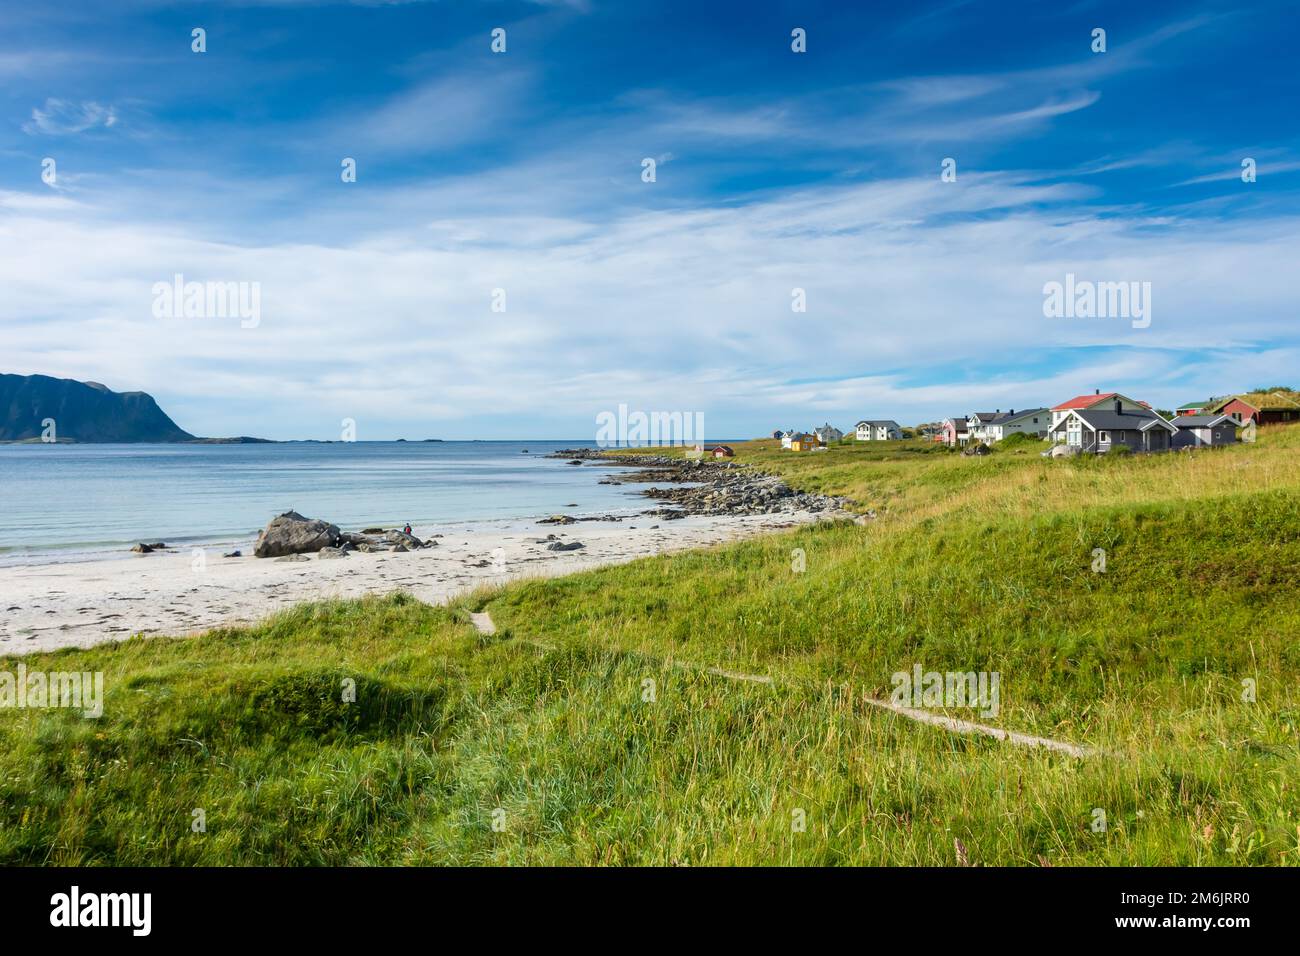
x,y
995,426
878,430
786,437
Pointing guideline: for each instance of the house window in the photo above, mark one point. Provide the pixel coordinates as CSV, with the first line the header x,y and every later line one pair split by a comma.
x,y
1103,436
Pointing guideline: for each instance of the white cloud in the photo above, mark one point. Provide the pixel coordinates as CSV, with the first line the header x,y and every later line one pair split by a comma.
x,y
61,117
678,309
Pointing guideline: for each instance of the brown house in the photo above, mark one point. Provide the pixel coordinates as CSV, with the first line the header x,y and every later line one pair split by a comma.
x,y
1262,408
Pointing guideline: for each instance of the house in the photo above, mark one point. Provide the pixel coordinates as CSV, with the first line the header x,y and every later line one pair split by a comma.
x,y
975,423
802,441
1195,408
1030,421
722,451
828,433
1081,402
989,427
1263,408
955,432
1120,422
777,434
878,429
1204,431
786,437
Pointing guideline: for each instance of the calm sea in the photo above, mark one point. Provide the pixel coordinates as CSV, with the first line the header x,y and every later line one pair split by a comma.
x,y
70,502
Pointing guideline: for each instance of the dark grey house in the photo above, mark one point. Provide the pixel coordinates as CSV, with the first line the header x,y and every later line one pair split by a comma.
x,y
1104,427
1204,431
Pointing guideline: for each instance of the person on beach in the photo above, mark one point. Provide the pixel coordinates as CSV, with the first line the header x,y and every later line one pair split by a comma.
x,y
407,529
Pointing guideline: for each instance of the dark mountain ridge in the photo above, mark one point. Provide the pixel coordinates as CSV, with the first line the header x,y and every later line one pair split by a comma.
x,y
82,412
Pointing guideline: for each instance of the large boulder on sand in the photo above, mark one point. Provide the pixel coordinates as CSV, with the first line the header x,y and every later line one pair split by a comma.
x,y
291,533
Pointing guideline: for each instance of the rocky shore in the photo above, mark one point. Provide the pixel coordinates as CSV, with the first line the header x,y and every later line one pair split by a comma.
x,y
683,488
705,486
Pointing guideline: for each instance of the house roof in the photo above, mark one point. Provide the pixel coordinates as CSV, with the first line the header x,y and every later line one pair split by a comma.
x,y
877,421
983,418
1008,417
1205,404
1200,421
1110,420
1262,401
1084,401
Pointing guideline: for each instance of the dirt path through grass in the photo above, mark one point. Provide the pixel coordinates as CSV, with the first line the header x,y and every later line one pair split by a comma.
x,y
484,624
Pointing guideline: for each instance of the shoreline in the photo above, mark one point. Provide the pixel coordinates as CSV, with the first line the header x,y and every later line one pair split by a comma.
x,y
50,606
53,606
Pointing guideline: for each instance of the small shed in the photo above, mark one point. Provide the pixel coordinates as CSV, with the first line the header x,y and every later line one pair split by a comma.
x,y
1204,431
722,451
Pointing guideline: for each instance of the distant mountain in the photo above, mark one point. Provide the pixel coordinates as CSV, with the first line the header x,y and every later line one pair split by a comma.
x,y
82,412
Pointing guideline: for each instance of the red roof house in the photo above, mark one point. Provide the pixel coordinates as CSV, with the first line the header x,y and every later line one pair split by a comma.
x,y
1084,402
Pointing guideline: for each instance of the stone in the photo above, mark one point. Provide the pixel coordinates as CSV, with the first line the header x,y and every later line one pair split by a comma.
x,y
401,538
561,546
291,533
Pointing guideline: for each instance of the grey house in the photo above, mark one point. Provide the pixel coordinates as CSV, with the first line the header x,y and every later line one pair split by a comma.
x,y
1204,431
1104,427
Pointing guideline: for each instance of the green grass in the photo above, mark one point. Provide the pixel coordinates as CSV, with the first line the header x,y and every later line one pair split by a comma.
x,y
971,564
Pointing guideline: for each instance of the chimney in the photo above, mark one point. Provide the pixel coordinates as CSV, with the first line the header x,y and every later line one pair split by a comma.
x,y
1096,391
1119,407
1012,412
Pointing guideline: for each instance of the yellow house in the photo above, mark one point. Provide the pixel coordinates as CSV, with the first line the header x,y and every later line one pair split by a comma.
x,y
803,442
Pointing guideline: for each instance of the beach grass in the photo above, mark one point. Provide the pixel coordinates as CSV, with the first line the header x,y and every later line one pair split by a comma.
x,y
713,706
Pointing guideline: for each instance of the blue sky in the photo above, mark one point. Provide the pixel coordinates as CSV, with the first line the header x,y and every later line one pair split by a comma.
x,y
522,171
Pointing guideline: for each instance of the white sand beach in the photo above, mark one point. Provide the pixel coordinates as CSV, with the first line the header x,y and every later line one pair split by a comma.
x,y
51,606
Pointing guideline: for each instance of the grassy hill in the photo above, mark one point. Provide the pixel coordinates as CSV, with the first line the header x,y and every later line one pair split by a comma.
x,y
590,729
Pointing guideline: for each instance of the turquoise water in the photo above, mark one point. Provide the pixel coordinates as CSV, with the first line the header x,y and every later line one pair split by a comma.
x,y
67,502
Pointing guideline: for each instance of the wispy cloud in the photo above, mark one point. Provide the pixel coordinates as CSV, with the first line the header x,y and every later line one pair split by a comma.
x,y
1264,168
62,117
